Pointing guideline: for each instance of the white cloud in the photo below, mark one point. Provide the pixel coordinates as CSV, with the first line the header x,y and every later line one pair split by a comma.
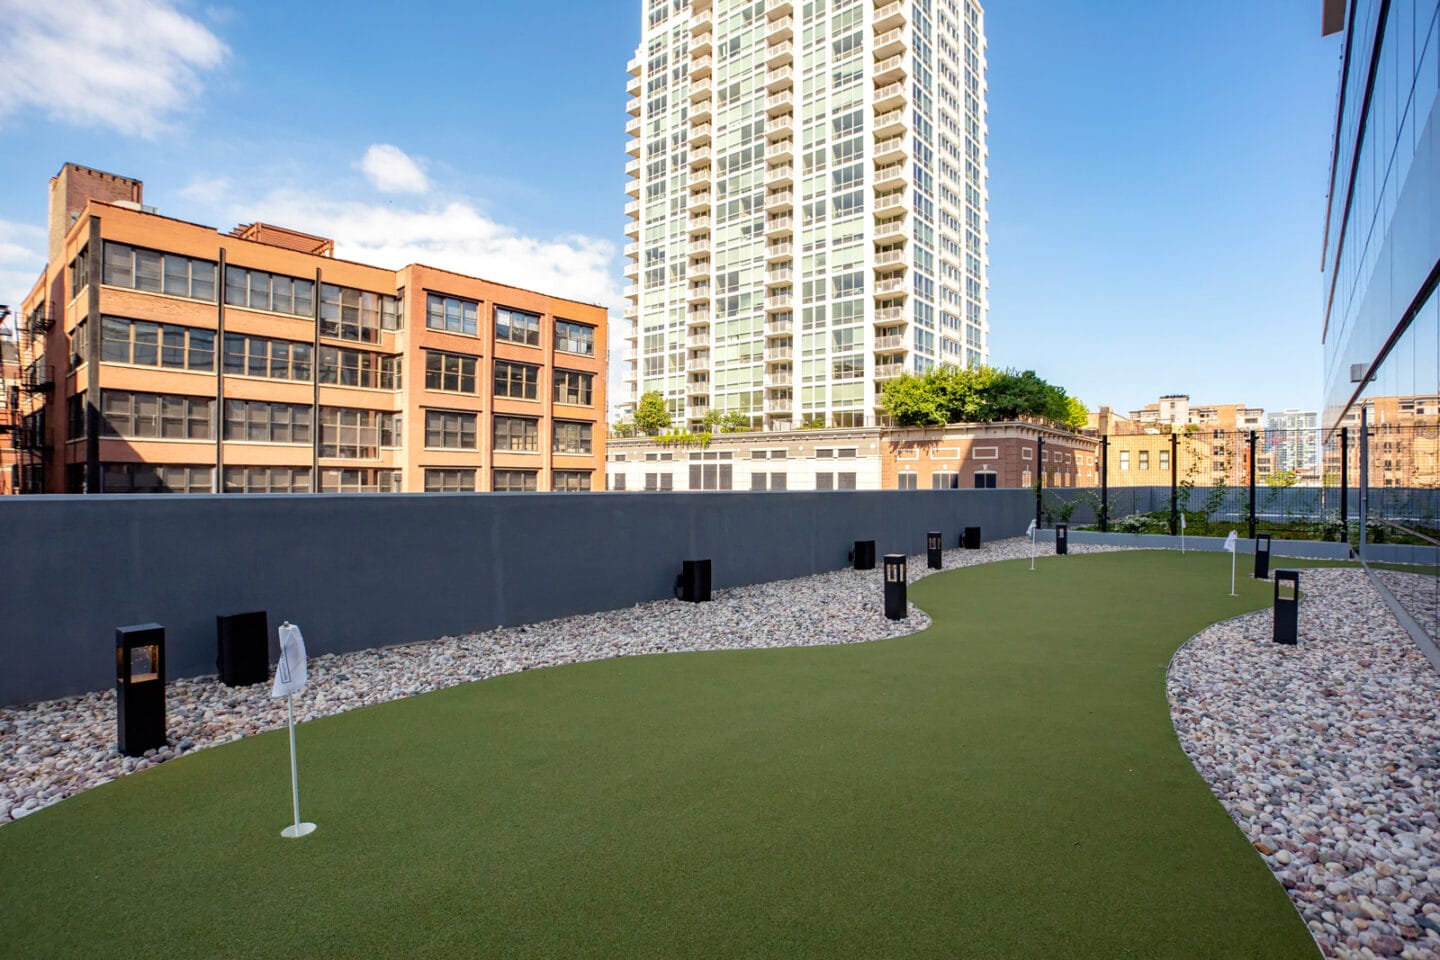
x,y
452,235
391,170
129,65
207,191
22,257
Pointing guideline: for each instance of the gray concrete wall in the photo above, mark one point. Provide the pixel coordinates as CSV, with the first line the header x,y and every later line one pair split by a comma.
x,y
364,571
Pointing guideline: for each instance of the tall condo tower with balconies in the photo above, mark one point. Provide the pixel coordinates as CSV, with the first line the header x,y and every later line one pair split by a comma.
x,y
807,203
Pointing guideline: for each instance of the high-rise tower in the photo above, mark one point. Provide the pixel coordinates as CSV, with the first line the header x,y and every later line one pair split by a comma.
x,y
807,203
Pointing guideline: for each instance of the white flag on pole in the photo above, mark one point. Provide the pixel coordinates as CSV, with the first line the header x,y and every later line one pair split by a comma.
x,y
290,672
1230,542
1182,521
1030,530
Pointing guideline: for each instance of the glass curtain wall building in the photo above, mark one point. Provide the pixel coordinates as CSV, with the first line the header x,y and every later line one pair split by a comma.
x,y
807,203
1381,326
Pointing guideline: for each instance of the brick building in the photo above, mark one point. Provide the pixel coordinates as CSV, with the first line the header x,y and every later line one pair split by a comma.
x,y
164,356
870,458
11,443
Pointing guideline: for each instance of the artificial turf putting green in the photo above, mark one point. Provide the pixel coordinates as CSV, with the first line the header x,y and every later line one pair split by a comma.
x,y
1004,784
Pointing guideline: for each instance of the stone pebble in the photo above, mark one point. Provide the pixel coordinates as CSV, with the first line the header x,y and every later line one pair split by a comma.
x,y
1327,755
57,748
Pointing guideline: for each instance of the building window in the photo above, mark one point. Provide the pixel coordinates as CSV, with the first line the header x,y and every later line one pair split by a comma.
x,y
516,326
711,476
617,481
517,435
75,417
1164,459
359,480
1124,459
570,437
360,368
454,372
573,337
392,432
449,430
349,314
257,290
155,478
155,272
449,481
154,416
984,481
518,380
267,480
906,481
80,272
262,357
570,481
451,314
943,480
573,387
824,481
771,481
256,421
844,481
1144,459
155,344
654,481
348,434
515,481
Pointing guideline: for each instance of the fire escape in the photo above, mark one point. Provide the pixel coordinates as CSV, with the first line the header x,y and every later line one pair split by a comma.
x,y
29,401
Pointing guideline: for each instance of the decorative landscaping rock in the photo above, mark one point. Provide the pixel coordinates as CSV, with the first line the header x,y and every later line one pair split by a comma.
x,y
1327,755
55,749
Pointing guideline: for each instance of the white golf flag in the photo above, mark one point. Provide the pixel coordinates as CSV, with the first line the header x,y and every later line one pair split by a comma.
x,y
1030,530
290,671
1230,542
1182,521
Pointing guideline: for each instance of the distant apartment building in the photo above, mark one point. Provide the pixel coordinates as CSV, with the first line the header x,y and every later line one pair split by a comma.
x,y
1205,444
1292,438
959,456
1176,410
163,356
807,204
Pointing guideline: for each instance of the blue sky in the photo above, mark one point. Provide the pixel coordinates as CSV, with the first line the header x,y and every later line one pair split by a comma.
x,y
1157,170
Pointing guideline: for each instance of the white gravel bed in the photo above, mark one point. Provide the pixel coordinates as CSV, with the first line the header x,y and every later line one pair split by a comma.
x,y
1327,755
57,748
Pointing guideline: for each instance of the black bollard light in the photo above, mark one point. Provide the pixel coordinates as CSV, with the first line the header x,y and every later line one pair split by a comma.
x,y
1262,556
1287,607
242,654
971,538
895,606
1062,539
932,549
140,688
863,555
693,584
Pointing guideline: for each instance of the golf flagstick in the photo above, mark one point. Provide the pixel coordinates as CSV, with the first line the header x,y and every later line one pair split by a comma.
x,y
290,679
1031,532
1182,534
1233,547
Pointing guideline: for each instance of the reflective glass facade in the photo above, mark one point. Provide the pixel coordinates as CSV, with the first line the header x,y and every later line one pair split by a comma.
x,y
1382,261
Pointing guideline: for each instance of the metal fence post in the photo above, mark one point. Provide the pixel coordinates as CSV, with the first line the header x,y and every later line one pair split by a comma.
x,y
1364,486
1104,484
1252,484
1039,476
1174,484
1345,485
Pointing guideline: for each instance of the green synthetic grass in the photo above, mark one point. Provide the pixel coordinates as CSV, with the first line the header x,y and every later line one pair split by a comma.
x,y
1004,784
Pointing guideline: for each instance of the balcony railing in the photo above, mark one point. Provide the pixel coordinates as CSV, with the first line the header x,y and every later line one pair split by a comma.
x,y
37,377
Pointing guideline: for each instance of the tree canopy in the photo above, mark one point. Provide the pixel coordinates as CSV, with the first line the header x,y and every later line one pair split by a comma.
x,y
948,394
651,414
